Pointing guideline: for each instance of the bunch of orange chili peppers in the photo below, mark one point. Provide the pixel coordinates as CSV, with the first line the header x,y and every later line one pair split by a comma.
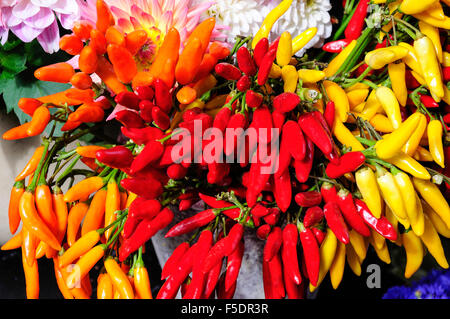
x,y
363,156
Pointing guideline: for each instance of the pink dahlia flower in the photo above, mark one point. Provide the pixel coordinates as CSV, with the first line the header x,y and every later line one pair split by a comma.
x,y
31,19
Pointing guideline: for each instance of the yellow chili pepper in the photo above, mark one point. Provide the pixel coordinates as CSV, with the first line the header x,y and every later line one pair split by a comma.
x,y
120,280
393,6
432,33
431,193
438,23
446,59
311,76
436,11
409,165
371,107
358,243
356,97
359,108
141,280
290,78
302,39
383,253
339,97
390,105
205,84
430,66
112,204
411,202
336,63
104,287
433,243
270,20
436,220
357,86
397,73
378,59
215,102
84,265
376,239
381,123
434,132
79,248
423,155
413,142
353,260
414,6
327,253
392,144
394,221
338,265
368,187
391,192
345,136
284,50
275,72
411,59
414,253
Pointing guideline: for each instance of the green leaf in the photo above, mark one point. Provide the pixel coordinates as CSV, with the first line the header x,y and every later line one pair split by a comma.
x,y
13,62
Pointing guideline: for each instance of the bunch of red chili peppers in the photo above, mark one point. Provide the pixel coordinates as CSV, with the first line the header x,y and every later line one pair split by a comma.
x,y
346,138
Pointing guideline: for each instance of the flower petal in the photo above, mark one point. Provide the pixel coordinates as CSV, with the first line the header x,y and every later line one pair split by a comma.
x,y
42,19
25,32
24,10
49,39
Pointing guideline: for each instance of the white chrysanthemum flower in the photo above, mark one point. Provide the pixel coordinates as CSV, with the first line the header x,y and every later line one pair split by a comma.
x,y
244,17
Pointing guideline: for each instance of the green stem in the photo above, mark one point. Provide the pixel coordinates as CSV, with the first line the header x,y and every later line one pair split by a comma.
x,y
32,185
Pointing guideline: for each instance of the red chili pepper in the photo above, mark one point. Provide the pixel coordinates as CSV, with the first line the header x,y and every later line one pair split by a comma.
x,y
336,46
286,102
253,99
130,119
214,202
282,190
259,210
273,217
380,225
293,291
245,61
217,172
146,107
349,162
185,204
244,83
130,226
278,119
329,113
221,292
289,253
319,234
315,131
273,244
263,124
144,92
260,50
174,259
350,213
267,281
308,199
212,279
191,223
151,152
428,101
295,140
128,99
196,286
313,215
237,121
142,208
311,253
144,231
117,157
411,82
329,192
142,135
163,97
276,275
233,266
446,73
356,23
149,188
336,222
263,231
266,66
176,171
303,168
257,181
228,71
160,118
222,118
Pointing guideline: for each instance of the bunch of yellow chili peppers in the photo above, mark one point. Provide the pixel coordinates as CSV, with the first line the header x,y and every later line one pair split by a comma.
x,y
383,98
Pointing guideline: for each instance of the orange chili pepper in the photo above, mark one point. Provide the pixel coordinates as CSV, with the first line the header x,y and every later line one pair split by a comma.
x,y
142,78
123,200
86,285
189,61
88,60
135,40
28,105
218,50
82,29
96,212
123,62
61,212
80,247
106,72
33,221
87,113
186,95
76,215
105,18
207,65
14,242
119,279
44,205
29,244
104,287
141,280
83,188
84,265
41,250
31,278
168,73
169,50
39,121
203,33
17,132
70,125
81,81
88,150
78,291
32,164
59,98
71,44
112,204
60,72
98,42
114,36
67,294
13,209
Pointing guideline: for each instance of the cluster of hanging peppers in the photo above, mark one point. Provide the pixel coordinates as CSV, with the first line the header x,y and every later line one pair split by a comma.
x,y
362,157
